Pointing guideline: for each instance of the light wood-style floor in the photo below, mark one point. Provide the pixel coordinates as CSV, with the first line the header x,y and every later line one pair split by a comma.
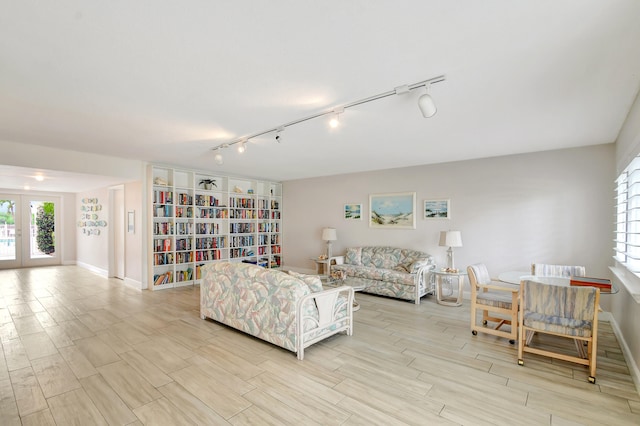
x,y
82,349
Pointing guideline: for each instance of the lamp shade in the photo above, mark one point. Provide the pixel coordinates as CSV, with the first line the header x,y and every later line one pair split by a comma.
x,y
451,239
427,106
329,234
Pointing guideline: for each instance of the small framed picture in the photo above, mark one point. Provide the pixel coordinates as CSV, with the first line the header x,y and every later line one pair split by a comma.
x,y
437,209
393,211
353,211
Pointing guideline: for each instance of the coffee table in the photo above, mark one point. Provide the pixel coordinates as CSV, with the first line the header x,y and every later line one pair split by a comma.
x,y
331,282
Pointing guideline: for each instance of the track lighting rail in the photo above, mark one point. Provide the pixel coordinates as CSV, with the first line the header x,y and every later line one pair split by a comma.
x,y
338,109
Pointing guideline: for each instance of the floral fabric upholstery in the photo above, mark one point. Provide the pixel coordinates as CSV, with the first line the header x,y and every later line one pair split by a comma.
x,y
566,310
263,302
387,271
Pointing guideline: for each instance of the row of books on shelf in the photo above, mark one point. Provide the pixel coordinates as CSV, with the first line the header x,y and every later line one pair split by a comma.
x,y
208,255
184,228
163,259
206,200
162,197
184,212
242,228
161,245
164,278
212,213
242,214
163,228
168,276
183,244
185,199
164,210
211,242
603,284
184,257
241,241
247,203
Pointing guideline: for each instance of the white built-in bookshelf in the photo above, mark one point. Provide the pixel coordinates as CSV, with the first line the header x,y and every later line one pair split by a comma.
x,y
198,218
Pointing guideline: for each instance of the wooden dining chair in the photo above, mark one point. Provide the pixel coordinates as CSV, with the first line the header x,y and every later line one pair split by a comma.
x,y
564,311
547,270
498,302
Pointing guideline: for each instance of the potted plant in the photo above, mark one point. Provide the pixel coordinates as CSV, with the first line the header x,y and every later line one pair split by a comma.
x,y
208,183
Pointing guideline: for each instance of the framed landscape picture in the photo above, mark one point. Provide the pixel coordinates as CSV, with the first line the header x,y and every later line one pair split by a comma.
x,y
353,211
436,209
393,211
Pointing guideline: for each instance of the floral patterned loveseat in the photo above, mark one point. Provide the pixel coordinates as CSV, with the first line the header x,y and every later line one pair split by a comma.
x,y
273,305
388,271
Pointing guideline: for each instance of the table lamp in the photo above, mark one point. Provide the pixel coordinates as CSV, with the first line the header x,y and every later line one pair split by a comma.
x,y
451,239
329,235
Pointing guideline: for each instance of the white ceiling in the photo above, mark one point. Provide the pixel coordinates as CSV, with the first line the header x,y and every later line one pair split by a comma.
x,y
165,81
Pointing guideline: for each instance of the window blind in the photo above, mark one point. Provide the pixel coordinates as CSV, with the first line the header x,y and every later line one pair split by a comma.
x,y
627,226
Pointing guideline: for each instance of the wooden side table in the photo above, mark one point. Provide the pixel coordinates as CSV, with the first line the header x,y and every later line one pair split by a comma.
x,y
445,283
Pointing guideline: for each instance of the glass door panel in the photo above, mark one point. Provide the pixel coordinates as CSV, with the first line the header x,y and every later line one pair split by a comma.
x,y
40,221
10,241
28,231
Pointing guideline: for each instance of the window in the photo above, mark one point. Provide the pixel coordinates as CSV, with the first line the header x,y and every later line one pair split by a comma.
x,y
627,227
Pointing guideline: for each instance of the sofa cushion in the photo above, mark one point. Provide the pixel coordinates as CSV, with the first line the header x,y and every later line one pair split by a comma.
x,y
313,281
354,256
381,257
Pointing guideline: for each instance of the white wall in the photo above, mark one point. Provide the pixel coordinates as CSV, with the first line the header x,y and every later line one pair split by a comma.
x,y
93,250
550,207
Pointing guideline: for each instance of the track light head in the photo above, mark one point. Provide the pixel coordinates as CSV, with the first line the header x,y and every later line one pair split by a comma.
x,y
335,118
279,134
426,104
242,147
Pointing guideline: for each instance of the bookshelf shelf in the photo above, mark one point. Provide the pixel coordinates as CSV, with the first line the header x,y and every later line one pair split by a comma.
x,y
198,218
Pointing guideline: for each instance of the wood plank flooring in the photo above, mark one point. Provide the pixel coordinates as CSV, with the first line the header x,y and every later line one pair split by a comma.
x,y
81,349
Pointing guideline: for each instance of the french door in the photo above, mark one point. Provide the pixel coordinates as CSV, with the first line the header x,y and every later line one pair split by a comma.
x,y
28,226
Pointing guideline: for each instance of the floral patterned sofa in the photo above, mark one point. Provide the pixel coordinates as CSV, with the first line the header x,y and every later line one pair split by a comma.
x,y
274,306
388,271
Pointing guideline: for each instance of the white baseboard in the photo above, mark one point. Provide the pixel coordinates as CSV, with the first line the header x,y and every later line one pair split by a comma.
x,y
95,269
628,356
134,284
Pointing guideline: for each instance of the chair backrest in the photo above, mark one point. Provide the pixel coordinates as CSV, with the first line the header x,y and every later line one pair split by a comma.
x,y
559,306
546,270
478,275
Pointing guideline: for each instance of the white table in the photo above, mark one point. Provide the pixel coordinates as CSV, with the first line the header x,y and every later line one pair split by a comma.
x,y
447,279
323,266
514,277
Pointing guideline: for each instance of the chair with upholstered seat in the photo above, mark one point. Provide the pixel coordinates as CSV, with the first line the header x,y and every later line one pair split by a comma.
x,y
546,270
497,301
564,311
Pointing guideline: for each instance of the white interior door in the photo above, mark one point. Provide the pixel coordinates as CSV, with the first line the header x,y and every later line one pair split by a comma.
x,y
118,233
31,240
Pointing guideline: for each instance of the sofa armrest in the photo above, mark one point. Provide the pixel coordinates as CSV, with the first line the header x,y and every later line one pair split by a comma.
x,y
335,314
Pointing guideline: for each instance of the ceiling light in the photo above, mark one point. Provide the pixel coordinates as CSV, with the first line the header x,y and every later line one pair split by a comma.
x,y
426,104
335,119
218,158
242,147
39,178
279,134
